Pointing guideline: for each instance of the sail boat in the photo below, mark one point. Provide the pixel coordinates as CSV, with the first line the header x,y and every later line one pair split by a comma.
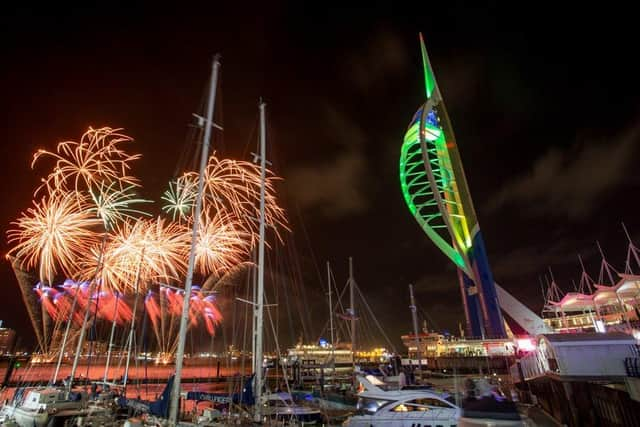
x,y
258,303
276,406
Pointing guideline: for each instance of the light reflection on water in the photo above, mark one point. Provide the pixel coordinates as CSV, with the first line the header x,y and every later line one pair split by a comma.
x,y
158,375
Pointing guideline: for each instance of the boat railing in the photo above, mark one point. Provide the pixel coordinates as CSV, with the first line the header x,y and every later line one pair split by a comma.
x,y
632,366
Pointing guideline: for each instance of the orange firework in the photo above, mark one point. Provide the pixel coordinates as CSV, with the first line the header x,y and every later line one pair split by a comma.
x,y
220,244
96,159
231,189
155,248
166,250
234,186
53,234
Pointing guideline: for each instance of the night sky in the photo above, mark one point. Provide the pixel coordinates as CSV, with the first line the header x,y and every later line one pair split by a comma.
x,y
544,103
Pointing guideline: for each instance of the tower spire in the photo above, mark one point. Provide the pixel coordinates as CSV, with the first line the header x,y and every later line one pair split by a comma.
x,y
429,77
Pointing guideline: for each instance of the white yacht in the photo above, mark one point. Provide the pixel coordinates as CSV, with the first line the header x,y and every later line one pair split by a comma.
x,y
400,408
280,407
39,406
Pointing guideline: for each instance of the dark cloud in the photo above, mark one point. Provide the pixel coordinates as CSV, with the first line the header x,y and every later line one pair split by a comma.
x,y
461,79
570,182
336,186
384,55
530,260
438,298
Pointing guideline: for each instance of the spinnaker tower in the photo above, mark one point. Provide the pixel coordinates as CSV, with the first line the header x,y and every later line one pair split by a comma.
x,y
436,191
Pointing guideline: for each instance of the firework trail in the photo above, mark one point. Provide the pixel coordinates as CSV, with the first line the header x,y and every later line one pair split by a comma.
x,y
55,305
25,283
165,308
58,303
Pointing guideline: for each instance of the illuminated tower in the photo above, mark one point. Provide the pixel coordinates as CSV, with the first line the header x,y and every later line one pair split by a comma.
x,y
435,189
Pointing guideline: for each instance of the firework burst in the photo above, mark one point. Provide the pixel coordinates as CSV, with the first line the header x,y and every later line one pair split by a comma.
x,y
154,248
113,204
96,159
53,234
180,197
234,186
231,189
220,244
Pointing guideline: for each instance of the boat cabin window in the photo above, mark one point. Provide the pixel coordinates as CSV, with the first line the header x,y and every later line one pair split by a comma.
x,y
429,401
422,404
370,405
406,407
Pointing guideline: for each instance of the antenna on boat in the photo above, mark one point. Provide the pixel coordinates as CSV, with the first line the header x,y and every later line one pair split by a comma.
x,y
184,319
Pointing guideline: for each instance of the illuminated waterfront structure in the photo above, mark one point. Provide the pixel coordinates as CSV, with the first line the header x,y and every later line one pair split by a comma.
x,y
7,340
435,190
606,309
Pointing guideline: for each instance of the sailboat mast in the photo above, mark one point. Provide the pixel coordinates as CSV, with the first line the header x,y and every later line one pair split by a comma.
x,y
414,318
175,393
66,332
113,331
132,328
330,305
87,310
352,296
254,329
260,296
333,344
